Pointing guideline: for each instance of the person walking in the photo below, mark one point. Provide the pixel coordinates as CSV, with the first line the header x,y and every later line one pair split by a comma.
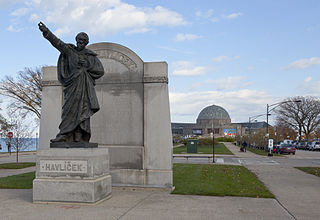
x,y
244,145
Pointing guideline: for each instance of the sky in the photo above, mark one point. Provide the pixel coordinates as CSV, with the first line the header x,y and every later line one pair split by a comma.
x,y
240,55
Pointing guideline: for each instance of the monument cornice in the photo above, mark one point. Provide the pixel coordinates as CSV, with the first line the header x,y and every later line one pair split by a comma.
x,y
146,79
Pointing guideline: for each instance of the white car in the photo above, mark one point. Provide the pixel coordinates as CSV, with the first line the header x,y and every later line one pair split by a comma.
x,y
315,145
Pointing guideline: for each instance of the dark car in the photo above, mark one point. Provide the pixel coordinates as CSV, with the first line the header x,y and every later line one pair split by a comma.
x,y
287,148
302,145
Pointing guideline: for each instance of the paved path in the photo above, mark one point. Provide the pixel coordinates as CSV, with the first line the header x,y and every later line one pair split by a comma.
x,y
236,151
149,205
297,191
10,172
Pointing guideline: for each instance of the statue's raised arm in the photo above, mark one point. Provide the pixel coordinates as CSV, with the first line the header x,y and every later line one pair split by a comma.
x,y
55,41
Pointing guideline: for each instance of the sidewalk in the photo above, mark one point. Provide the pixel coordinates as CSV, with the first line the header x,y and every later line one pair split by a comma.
x,y
10,172
236,151
296,191
140,205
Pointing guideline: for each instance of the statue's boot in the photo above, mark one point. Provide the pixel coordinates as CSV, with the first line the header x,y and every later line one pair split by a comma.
x,y
78,136
60,138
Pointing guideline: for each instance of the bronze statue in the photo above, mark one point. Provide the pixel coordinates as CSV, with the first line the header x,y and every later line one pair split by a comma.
x,y
78,68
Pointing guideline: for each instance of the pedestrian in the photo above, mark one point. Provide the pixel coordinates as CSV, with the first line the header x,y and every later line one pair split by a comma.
x,y
244,145
9,147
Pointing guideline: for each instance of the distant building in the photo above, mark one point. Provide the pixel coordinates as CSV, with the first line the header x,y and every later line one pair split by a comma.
x,y
217,117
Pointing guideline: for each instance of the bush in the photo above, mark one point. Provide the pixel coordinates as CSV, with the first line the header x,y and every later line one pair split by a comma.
x,y
225,139
207,141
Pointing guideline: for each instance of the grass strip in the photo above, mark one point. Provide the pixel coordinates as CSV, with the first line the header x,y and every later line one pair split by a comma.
x,y
260,152
312,170
21,181
219,148
217,180
16,165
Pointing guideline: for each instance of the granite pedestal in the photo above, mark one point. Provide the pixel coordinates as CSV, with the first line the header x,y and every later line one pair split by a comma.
x,y
72,175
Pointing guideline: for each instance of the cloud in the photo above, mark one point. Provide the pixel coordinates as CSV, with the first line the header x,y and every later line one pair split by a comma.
x,y
205,14
11,28
232,16
240,104
8,3
303,63
309,87
185,68
184,37
227,83
20,12
102,17
308,79
34,18
209,15
224,58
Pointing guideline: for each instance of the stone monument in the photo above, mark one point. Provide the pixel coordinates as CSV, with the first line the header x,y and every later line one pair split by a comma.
x,y
73,169
134,118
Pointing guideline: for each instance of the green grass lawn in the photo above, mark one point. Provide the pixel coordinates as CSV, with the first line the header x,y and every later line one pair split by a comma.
x,y
16,165
312,170
217,180
205,149
21,181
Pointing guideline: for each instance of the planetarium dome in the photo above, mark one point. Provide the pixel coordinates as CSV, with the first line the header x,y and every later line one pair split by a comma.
x,y
213,112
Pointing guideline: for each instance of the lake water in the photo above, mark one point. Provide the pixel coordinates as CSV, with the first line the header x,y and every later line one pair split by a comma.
x,y
32,144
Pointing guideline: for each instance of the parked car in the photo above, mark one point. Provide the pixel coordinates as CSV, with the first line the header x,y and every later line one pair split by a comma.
x,y
308,147
287,148
315,145
302,145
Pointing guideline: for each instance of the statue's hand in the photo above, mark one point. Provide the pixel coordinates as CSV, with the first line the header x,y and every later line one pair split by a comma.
x,y
43,28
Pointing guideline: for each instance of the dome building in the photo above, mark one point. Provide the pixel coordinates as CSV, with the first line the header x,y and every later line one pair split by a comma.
x,y
211,116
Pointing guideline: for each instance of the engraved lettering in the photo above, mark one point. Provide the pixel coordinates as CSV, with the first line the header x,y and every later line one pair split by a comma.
x,y
118,56
64,166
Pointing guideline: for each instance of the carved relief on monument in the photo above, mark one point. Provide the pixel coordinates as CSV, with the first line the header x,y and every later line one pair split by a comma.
x,y
118,56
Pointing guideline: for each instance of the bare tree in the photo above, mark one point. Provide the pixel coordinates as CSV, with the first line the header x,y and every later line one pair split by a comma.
x,y
284,132
22,134
25,90
303,117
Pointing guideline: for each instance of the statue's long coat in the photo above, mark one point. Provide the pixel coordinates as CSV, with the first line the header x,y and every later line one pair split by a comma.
x,y
78,80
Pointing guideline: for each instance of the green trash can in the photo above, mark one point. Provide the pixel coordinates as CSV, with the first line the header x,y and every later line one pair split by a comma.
x,y
192,146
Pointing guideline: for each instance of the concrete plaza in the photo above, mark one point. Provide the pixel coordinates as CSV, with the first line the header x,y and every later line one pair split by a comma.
x,y
297,197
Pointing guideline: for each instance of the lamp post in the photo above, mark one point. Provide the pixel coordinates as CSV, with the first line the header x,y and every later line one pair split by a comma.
x,y
275,105
213,143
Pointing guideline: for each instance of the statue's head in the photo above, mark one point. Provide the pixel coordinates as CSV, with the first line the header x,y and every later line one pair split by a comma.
x,y
82,40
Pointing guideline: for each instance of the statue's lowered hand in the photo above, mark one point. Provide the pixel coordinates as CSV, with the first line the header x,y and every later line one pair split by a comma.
x,y
43,28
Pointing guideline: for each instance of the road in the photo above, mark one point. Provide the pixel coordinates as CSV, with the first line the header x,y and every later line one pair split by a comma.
x,y
302,158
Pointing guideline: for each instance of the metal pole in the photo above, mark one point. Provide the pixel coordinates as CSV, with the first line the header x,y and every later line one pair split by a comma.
x,y
213,143
267,133
249,139
267,121
36,141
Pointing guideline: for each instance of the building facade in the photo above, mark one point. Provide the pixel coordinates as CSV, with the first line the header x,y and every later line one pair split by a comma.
x,y
215,120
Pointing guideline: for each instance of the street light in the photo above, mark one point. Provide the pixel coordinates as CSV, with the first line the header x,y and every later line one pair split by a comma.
x,y
213,143
268,111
